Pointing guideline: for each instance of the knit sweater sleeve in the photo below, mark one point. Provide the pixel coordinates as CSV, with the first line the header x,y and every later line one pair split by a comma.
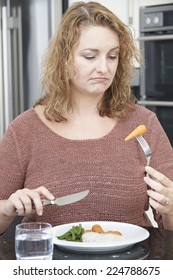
x,y
11,171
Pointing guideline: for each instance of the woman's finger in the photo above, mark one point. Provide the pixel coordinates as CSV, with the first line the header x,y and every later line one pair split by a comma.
x,y
159,207
13,207
159,176
155,185
45,193
37,196
160,198
21,202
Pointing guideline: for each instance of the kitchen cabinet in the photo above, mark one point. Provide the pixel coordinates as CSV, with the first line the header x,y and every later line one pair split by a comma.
x,y
126,10
154,2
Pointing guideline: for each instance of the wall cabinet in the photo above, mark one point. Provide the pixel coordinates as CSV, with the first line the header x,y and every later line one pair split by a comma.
x,y
126,10
154,2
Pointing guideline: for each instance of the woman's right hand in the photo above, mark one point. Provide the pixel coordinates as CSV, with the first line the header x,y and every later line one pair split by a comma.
x,y
26,201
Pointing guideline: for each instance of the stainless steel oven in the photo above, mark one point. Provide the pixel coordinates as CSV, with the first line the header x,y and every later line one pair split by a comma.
x,y
156,76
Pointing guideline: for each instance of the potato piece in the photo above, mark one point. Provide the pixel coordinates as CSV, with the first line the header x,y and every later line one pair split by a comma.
x,y
97,228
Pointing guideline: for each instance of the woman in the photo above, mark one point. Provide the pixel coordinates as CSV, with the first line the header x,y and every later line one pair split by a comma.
x,y
73,137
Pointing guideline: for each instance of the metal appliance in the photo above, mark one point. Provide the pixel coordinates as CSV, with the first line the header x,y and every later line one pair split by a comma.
x,y
25,29
156,77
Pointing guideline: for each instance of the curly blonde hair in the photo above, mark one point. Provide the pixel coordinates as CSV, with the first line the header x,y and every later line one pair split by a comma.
x,y
58,63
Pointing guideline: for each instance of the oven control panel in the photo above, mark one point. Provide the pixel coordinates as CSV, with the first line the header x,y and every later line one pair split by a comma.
x,y
156,18
153,19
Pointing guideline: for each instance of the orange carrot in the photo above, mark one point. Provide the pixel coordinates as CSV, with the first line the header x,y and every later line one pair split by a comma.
x,y
98,229
140,130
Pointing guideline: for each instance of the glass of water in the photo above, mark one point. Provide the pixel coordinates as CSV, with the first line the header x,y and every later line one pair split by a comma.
x,y
34,241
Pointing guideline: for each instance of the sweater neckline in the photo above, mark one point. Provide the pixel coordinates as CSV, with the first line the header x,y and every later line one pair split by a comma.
x,y
104,137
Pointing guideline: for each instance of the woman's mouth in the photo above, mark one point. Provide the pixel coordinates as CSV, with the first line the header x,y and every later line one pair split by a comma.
x,y
100,79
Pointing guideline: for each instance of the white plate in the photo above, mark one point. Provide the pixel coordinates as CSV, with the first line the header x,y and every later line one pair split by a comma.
x,y
131,234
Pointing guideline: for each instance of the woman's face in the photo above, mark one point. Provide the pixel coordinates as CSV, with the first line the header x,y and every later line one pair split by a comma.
x,y
95,60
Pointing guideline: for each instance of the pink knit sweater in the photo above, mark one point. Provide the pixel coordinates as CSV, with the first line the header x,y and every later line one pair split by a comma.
x,y
32,155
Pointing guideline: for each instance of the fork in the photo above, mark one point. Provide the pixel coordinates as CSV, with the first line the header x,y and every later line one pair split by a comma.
x,y
145,147
147,152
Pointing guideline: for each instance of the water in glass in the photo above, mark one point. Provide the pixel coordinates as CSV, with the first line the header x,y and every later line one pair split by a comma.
x,y
33,244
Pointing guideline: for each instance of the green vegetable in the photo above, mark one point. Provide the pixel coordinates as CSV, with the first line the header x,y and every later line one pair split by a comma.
x,y
74,234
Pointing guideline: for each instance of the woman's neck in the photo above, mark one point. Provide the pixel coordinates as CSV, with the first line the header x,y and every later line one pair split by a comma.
x,y
85,107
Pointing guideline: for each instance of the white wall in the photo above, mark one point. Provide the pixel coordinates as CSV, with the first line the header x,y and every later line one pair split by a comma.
x,y
116,6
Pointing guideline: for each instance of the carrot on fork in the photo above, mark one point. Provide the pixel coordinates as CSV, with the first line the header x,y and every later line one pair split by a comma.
x,y
140,130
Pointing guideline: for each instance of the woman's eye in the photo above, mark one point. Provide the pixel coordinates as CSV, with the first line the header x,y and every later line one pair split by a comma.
x,y
113,57
90,57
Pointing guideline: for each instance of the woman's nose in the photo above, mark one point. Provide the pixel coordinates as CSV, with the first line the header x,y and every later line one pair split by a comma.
x,y
102,65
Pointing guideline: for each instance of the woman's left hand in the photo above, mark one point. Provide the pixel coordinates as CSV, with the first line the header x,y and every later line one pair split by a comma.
x,y
161,192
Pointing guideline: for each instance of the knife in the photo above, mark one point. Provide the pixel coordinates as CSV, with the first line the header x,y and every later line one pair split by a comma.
x,y
68,199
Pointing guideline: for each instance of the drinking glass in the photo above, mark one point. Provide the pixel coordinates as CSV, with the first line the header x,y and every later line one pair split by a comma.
x,y
34,241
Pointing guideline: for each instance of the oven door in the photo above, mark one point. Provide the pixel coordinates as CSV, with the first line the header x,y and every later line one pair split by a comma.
x,y
156,77
164,112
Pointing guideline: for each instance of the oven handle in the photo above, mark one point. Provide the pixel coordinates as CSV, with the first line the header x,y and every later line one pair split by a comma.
x,y
156,37
156,103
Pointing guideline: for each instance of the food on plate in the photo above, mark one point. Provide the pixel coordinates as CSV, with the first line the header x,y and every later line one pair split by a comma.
x,y
96,237
113,232
98,229
140,130
95,234
74,234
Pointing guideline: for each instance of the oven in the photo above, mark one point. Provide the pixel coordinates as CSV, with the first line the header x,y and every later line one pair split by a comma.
x,y
156,76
